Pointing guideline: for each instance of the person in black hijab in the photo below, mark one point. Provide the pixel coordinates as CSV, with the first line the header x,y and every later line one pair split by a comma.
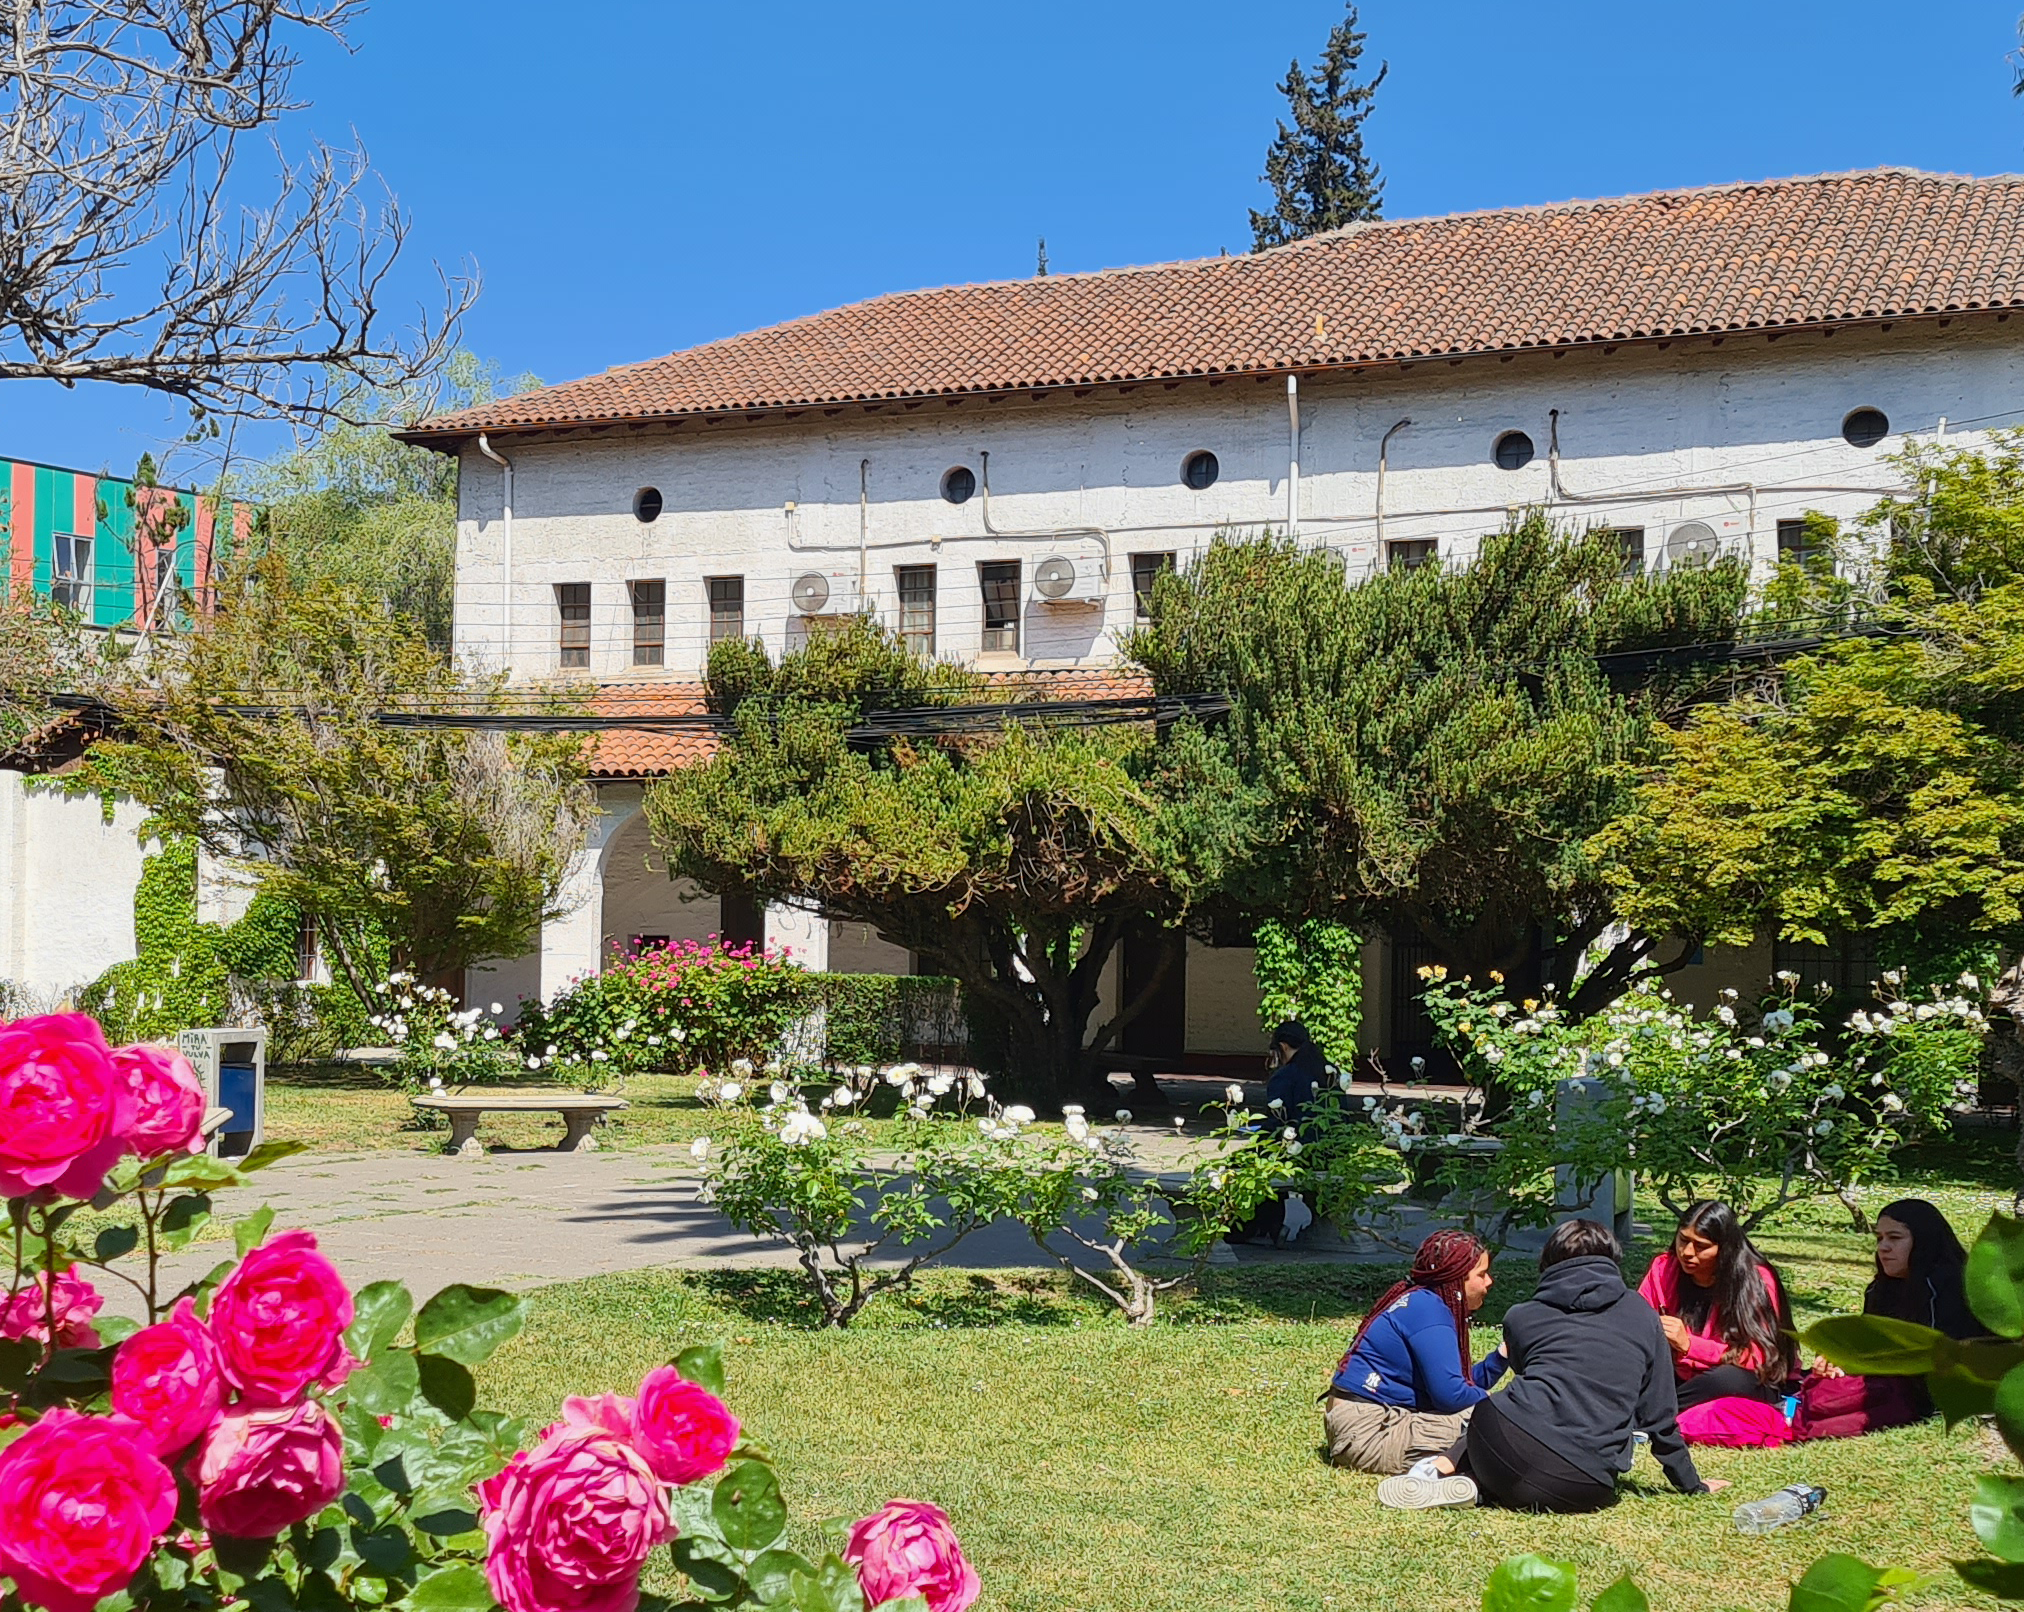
x,y
1921,1276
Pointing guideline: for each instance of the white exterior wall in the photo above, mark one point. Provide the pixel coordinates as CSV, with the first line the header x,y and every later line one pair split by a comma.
x,y
67,895
1750,429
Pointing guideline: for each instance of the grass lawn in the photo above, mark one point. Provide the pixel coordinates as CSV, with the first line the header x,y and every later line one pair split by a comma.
x,y
1095,1469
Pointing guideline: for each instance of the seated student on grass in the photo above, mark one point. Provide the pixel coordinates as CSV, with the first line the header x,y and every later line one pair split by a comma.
x,y
1726,1321
1920,1276
1592,1368
1405,1388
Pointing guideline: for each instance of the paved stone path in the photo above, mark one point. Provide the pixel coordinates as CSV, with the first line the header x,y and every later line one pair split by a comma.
x,y
524,1219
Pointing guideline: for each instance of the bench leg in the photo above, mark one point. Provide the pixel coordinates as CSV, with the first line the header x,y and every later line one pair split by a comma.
x,y
576,1137
464,1136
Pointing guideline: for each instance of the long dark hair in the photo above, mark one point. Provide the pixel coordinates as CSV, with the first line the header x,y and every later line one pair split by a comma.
x,y
1749,1312
1932,1291
1441,1266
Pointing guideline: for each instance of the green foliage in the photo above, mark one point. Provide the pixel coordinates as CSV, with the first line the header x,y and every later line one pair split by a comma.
x,y
1088,1187
188,974
1960,533
812,1178
877,1019
1428,752
353,508
1312,970
426,848
1320,177
1012,861
692,1005
440,1043
1747,1105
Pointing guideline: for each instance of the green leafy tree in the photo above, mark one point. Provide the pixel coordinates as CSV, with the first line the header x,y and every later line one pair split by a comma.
x,y
259,737
1312,971
1428,753
358,509
1320,177
1013,861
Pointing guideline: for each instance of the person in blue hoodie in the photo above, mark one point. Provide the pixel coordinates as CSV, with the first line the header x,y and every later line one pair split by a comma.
x,y
1406,1387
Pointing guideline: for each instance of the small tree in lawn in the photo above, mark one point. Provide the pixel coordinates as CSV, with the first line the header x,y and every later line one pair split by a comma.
x,y
816,1179
417,849
1013,860
1320,177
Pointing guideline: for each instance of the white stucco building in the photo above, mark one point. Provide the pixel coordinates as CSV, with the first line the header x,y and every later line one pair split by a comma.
x,y
996,469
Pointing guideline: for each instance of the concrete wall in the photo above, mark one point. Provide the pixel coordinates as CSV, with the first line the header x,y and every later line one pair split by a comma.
x,y
67,897
1223,999
1738,434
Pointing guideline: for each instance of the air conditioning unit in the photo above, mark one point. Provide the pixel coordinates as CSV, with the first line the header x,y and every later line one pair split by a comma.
x,y
1696,544
1063,579
825,593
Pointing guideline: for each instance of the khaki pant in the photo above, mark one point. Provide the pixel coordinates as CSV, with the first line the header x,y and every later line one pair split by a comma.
x,y
1385,1439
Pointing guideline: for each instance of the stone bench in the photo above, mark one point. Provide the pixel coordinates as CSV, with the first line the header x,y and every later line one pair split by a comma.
x,y
579,1113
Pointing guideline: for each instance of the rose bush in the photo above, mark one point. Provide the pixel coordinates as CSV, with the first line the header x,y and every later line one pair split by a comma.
x,y
271,1439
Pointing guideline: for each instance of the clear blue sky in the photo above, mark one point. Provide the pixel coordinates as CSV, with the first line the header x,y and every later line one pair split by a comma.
x,y
635,176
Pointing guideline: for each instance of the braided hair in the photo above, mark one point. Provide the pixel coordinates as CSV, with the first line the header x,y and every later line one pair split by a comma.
x,y
1441,1266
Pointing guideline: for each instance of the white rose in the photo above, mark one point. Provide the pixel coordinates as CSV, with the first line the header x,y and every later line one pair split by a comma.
x,y
699,1149
445,1041
843,1097
1233,1094
1019,1114
1123,1116
730,1091
778,1092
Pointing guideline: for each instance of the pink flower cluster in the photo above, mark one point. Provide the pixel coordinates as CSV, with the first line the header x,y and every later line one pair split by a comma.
x,y
570,1523
83,1498
70,1106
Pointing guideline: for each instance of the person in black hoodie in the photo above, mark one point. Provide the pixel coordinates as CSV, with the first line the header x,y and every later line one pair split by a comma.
x,y
1592,1367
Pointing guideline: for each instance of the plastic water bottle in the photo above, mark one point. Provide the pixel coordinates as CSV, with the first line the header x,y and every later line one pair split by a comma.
x,y
1789,1504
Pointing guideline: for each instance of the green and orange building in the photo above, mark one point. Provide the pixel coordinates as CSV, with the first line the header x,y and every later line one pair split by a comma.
x,y
118,550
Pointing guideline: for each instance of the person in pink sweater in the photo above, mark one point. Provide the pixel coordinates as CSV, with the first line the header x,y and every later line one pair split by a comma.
x,y
1724,1312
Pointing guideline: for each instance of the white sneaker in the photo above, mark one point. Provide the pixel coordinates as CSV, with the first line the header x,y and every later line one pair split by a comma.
x,y
1428,1467
1411,1492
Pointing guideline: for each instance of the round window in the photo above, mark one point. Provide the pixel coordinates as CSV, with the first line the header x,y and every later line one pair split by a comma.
x,y
647,505
959,484
1513,451
1865,428
1199,470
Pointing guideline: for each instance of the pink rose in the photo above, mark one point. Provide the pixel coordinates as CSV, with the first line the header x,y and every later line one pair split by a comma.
x,y
279,1319
259,1472
81,1504
607,1413
26,1315
908,1548
684,1431
64,1111
168,1100
570,1524
165,1380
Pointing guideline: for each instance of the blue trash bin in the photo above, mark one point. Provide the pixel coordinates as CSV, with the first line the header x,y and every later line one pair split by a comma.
x,y
237,1090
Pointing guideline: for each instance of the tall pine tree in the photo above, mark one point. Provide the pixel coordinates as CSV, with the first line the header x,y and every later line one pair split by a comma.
x,y
1317,168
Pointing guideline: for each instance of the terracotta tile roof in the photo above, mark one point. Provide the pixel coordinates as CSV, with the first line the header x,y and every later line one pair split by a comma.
x,y
625,753
1780,253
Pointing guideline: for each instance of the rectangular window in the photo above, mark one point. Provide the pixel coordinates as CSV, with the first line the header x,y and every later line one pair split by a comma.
x,y
1000,581
308,951
916,586
727,608
1145,570
572,606
1797,545
70,585
650,623
1410,555
1631,540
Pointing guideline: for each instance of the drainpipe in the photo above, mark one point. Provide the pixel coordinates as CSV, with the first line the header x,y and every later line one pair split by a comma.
x,y
1384,442
863,525
1099,533
505,552
1292,456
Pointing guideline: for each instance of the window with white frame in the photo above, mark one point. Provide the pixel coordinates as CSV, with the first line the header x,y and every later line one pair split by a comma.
x,y
916,587
70,573
1000,582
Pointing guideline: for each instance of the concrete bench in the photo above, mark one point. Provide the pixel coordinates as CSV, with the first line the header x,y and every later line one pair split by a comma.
x,y
579,1112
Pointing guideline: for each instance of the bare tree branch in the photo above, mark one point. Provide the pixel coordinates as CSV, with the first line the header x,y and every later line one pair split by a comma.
x,y
126,254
